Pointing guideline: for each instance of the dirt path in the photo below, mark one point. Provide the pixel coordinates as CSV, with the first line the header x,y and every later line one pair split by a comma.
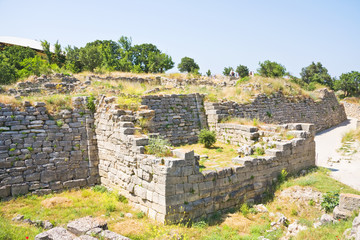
x,y
327,142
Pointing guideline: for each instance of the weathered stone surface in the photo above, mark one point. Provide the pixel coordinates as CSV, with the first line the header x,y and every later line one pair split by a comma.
x,y
350,202
85,237
85,224
57,233
109,235
339,213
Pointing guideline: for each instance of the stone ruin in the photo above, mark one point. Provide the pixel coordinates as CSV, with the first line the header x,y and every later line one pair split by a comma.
x,y
42,153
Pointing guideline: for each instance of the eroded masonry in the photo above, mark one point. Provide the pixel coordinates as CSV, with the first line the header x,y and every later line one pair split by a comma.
x,y
41,153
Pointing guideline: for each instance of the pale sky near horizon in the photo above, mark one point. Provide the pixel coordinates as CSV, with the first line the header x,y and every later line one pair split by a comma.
x,y
216,34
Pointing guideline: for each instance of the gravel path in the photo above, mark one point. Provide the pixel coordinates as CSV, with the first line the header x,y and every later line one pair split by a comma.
x,y
327,141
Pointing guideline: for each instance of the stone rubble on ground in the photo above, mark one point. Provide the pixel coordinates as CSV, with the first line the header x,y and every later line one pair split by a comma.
x,y
86,228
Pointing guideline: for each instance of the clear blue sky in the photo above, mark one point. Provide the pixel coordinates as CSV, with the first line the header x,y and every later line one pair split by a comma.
x,y
215,33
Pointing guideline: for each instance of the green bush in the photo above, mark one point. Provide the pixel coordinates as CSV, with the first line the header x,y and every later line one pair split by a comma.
x,y
330,201
207,137
159,147
90,103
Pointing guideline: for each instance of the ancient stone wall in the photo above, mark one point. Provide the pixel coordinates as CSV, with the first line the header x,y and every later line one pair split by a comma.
x,y
352,109
40,153
172,189
122,164
324,113
178,117
191,194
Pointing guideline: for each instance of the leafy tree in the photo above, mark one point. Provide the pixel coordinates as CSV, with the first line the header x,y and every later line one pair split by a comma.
x,y
72,61
90,57
208,73
33,66
316,73
125,43
7,73
14,55
147,55
109,51
59,57
242,70
349,83
188,65
271,69
46,48
159,62
227,71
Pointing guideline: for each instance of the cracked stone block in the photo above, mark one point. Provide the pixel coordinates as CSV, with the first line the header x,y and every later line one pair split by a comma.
x,y
56,233
82,225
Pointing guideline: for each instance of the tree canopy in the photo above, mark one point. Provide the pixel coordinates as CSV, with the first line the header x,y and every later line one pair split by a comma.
x,y
188,65
227,71
316,73
271,69
242,70
349,83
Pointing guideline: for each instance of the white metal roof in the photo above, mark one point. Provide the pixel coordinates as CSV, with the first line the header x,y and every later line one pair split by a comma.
x,y
23,42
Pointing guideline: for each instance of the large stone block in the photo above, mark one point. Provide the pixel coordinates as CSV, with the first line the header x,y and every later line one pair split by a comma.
x,y
5,191
85,224
19,189
350,202
56,233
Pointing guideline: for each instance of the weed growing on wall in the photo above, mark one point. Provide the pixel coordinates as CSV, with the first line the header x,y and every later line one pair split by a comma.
x,y
159,147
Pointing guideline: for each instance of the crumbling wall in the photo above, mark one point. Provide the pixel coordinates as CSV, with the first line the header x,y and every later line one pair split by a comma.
x,y
323,113
40,153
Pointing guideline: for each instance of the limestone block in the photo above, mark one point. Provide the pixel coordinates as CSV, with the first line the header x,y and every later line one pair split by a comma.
x,y
19,189
55,234
5,191
350,202
82,225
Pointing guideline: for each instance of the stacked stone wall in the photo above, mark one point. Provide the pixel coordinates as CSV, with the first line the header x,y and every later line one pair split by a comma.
x,y
40,153
122,164
178,117
324,113
193,195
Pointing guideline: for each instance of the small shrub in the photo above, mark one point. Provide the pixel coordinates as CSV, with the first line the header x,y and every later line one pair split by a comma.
x,y
330,201
294,212
159,147
282,176
255,122
59,123
140,215
30,149
206,137
110,207
311,202
121,198
99,188
244,209
259,151
12,149
200,224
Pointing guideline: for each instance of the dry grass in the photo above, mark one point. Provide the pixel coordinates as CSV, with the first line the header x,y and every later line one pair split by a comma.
x,y
354,100
219,155
56,202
